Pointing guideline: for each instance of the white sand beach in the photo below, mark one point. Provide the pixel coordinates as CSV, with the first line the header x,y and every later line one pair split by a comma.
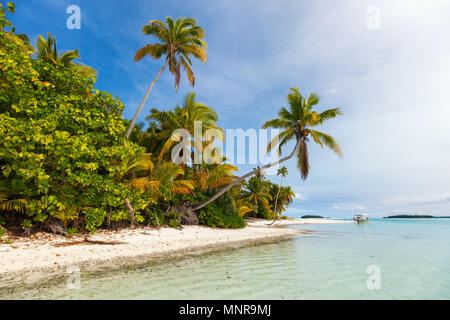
x,y
41,257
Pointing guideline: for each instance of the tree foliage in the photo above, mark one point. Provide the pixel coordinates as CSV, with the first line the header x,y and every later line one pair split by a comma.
x,y
64,159
296,122
60,149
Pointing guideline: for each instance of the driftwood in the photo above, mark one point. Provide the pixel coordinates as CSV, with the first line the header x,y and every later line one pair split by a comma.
x,y
89,242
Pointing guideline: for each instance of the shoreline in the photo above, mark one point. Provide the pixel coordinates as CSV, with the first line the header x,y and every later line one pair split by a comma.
x,y
29,261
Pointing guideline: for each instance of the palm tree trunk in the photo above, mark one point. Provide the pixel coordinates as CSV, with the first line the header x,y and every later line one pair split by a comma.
x,y
276,202
138,111
193,163
276,199
239,180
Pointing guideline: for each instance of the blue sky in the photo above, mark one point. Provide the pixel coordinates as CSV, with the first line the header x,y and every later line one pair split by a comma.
x,y
392,84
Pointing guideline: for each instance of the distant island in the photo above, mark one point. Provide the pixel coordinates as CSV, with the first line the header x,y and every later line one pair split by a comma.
x,y
311,216
410,216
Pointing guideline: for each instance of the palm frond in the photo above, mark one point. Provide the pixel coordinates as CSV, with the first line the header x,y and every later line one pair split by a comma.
x,y
196,51
189,72
156,28
303,159
324,139
243,210
329,114
279,140
277,123
154,50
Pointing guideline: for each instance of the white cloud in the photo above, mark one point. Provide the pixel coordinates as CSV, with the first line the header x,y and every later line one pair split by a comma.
x,y
391,83
300,196
349,207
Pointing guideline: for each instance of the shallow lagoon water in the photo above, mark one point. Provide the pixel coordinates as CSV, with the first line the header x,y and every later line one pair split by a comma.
x,y
413,257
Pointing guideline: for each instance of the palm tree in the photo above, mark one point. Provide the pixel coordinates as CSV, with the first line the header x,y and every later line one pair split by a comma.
x,y
184,118
7,204
129,167
285,198
214,176
282,172
179,40
257,194
260,173
296,123
47,52
165,176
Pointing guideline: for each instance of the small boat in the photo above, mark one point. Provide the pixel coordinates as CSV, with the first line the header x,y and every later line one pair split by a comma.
x,y
360,218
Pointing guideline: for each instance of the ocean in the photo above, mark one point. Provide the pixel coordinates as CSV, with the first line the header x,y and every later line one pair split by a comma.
x,y
382,259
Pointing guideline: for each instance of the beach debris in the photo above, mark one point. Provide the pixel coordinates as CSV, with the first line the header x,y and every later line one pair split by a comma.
x,y
57,228
89,242
187,215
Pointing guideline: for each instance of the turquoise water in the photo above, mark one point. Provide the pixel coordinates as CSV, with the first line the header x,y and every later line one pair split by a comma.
x,y
412,256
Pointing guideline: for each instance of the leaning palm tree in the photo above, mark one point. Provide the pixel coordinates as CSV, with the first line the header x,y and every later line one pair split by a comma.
x,y
282,172
47,51
297,123
177,41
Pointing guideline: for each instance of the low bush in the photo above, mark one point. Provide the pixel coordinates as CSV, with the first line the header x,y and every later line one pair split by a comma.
x,y
221,214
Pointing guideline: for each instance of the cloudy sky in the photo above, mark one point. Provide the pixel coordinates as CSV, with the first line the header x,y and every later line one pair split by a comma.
x,y
391,77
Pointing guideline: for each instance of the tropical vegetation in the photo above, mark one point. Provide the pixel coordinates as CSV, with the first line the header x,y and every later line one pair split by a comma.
x,y
69,160
178,41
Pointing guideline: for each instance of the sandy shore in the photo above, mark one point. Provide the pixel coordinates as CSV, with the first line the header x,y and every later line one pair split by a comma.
x,y
38,259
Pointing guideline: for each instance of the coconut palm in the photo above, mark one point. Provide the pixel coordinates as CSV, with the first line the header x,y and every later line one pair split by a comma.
x,y
285,198
282,172
297,123
214,176
178,40
260,173
257,194
184,118
8,204
47,51
165,176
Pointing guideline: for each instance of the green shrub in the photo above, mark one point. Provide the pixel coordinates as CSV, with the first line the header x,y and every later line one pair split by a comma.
x,y
61,141
154,216
173,219
264,214
221,214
